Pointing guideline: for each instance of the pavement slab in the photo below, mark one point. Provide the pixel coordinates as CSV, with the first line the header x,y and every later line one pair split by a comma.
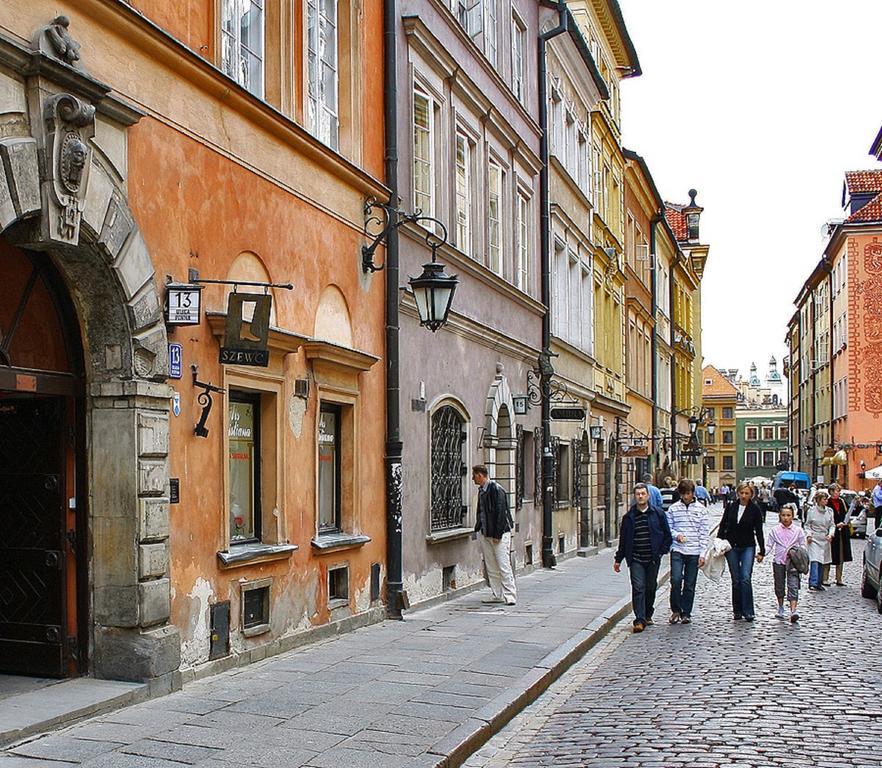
x,y
420,693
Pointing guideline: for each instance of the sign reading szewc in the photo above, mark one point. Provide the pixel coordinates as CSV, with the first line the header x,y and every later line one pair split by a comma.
x,y
246,331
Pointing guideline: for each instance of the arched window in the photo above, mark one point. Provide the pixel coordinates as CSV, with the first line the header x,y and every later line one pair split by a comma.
x,y
449,469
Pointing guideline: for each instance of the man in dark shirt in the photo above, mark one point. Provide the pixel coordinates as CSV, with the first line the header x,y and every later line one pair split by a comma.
x,y
644,539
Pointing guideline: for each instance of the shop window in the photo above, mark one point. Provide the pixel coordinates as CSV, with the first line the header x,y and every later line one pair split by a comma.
x,y
244,467
329,470
449,469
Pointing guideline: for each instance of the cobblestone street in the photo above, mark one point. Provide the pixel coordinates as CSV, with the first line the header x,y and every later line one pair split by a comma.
x,y
718,692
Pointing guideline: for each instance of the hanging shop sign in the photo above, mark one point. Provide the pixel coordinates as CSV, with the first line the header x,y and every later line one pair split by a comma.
x,y
246,332
183,304
568,414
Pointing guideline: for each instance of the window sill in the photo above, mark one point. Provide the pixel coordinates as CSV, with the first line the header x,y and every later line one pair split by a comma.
x,y
333,542
245,554
259,629
336,603
450,535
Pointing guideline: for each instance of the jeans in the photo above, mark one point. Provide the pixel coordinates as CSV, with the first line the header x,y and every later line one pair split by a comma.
x,y
644,580
815,569
740,560
684,572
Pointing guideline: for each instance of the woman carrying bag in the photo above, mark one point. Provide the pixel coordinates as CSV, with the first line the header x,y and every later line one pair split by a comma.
x,y
742,527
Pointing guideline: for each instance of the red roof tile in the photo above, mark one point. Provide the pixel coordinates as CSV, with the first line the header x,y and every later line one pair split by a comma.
x,y
872,211
863,181
676,221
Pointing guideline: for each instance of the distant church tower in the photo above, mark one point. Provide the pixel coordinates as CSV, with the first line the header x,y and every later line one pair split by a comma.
x,y
774,382
753,380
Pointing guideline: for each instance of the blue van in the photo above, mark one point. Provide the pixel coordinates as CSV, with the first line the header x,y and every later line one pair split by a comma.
x,y
800,479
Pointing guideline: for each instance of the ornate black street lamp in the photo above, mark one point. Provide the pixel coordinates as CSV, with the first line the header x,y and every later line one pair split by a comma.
x,y
433,290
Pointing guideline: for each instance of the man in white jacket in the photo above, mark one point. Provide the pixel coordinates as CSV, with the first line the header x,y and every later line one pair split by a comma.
x,y
688,521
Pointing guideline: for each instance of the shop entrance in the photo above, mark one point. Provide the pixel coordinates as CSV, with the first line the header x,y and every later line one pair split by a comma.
x,y
41,562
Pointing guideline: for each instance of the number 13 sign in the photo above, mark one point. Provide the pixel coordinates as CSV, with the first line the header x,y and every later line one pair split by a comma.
x,y
183,304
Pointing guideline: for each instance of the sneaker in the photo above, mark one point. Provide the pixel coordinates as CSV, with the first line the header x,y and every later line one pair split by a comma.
x,y
492,600
781,614
821,588
649,622
675,618
686,620
794,617
813,588
639,626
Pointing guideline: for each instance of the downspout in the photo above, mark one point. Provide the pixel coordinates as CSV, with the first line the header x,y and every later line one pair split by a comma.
x,y
545,368
674,452
653,278
394,446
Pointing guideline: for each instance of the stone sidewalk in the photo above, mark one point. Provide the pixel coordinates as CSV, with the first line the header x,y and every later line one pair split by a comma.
x,y
424,692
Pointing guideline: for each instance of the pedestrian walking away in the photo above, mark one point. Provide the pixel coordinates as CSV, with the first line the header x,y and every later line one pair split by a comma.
x,y
877,503
742,526
688,521
701,493
819,530
644,538
495,524
840,547
779,543
655,497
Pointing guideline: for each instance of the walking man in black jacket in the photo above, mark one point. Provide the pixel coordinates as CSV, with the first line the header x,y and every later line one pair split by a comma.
x,y
645,537
494,523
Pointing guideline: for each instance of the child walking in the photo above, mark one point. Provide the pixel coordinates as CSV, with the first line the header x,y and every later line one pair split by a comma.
x,y
778,543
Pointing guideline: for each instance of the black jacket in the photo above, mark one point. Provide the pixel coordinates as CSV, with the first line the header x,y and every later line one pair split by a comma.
x,y
659,534
493,510
743,534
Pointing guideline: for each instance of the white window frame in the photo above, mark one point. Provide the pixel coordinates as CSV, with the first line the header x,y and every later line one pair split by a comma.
x,y
463,191
322,105
421,93
491,31
756,458
518,58
234,52
523,206
495,189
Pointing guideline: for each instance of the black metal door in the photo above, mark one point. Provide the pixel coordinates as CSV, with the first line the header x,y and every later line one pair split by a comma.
x,y
32,546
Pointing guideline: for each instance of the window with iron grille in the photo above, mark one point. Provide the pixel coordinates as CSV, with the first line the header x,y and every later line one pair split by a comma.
x,y
449,469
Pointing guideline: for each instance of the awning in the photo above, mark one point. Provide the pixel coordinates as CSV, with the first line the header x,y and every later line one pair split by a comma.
x,y
875,473
839,458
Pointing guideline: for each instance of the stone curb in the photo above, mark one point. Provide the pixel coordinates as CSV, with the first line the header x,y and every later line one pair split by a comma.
x,y
458,745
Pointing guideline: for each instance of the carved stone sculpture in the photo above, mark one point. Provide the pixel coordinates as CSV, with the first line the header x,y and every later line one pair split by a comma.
x,y
65,47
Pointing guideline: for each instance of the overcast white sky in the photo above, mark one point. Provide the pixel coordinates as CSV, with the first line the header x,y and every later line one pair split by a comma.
x,y
761,105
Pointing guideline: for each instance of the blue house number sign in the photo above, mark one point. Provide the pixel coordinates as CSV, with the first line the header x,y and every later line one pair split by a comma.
x,y
175,361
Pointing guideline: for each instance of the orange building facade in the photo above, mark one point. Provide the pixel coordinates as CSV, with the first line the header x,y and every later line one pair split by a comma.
x,y
181,142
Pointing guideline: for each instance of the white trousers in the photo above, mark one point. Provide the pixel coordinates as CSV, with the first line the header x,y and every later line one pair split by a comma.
x,y
498,564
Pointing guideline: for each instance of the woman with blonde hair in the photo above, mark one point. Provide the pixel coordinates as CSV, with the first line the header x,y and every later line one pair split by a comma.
x,y
819,530
841,545
742,527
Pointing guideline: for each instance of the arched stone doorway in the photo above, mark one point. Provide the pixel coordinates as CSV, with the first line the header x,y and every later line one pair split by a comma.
x,y
71,214
500,441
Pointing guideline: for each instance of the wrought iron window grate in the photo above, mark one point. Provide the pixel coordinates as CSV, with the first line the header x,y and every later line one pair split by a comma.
x,y
448,469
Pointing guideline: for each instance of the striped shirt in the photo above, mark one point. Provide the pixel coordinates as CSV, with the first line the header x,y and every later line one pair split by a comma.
x,y
642,542
690,522
669,496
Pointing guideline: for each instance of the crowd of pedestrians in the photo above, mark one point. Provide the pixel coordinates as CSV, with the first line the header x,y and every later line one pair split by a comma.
x,y
674,521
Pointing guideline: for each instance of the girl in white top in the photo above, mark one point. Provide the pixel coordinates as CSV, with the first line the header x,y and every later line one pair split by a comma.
x,y
819,530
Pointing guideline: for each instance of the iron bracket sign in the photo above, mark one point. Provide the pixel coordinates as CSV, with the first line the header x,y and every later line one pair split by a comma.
x,y
568,414
245,340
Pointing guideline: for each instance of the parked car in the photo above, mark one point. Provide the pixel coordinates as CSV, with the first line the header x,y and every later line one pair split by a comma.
x,y
800,479
871,573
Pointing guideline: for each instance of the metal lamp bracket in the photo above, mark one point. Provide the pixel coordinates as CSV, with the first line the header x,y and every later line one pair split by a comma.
x,y
204,399
390,218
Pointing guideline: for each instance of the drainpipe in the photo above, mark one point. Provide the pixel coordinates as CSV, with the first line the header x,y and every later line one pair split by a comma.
x,y
653,278
674,452
545,367
394,447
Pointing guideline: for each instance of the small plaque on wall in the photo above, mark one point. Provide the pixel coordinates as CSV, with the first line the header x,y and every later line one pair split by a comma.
x,y
174,490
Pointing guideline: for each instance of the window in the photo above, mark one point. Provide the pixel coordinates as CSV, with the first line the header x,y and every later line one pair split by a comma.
x,y
322,71
522,264
449,469
490,30
470,16
710,438
242,43
329,456
423,152
708,382
495,176
711,413
750,458
711,463
783,433
768,433
255,598
728,437
518,48
751,433
244,466
768,458
728,462
728,413
463,194
338,584
563,467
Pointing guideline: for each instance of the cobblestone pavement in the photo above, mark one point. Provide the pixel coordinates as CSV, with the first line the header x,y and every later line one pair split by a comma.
x,y
716,693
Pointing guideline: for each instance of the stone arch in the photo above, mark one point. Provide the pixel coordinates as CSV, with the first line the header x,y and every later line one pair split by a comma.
x,y
332,318
73,206
500,439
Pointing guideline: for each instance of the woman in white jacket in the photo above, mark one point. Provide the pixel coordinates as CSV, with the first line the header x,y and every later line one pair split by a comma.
x,y
819,530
